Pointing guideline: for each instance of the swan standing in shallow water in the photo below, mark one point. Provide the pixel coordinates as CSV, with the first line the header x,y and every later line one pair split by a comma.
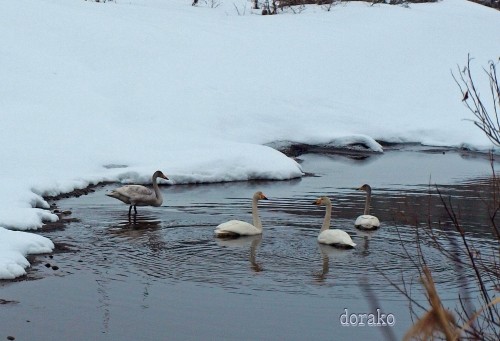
x,y
236,228
367,221
333,237
137,195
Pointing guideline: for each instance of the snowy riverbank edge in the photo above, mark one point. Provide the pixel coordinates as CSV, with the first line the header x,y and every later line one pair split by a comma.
x,y
15,246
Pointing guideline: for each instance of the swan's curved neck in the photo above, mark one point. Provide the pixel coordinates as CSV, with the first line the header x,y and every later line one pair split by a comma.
x,y
159,198
328,217
368,201
255,214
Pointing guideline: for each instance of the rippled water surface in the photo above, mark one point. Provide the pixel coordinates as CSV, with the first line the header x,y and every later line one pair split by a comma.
x,y
162,275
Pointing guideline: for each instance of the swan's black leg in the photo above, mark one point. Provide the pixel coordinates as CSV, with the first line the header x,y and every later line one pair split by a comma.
x,y
135,209
130,210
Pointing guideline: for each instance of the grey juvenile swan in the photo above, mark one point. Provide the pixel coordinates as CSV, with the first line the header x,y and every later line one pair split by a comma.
x,y
367,221
137,195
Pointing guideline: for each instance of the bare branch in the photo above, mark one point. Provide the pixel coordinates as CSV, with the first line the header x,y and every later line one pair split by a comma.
x,y
485,119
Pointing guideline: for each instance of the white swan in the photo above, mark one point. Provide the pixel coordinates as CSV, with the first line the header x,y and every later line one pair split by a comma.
x,y
137,195
333,237
367,221
235,228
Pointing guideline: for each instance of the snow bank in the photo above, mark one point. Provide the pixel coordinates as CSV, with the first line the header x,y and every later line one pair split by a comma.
x,y
14,246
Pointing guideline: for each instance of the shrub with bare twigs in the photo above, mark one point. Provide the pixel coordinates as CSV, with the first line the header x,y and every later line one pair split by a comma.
x,y
486,118
474,318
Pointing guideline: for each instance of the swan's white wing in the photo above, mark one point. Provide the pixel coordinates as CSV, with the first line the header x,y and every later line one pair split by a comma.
x,y
368,222
335,237
237,227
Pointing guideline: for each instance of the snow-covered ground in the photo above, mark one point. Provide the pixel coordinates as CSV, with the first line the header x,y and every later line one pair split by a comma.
x,y
198,92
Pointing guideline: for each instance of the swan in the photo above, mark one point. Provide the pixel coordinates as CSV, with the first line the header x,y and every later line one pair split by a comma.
x,y
334,237
367,221
137,195
236,228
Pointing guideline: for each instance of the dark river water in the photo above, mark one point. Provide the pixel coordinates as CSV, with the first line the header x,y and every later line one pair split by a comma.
x,y
163,276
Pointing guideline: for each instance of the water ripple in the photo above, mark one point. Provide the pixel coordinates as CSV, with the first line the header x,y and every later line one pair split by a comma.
x,y
177,243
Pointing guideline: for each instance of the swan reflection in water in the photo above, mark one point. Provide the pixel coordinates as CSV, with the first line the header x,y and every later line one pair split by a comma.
x,y
140,222
251,242
367,235
139,227
328,253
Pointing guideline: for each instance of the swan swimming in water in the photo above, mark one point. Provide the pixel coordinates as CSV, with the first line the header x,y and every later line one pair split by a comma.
x,y
367,221
236,228
334,237
137,195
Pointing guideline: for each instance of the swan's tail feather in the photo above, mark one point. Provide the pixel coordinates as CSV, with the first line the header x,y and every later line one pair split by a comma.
x,y
119,196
